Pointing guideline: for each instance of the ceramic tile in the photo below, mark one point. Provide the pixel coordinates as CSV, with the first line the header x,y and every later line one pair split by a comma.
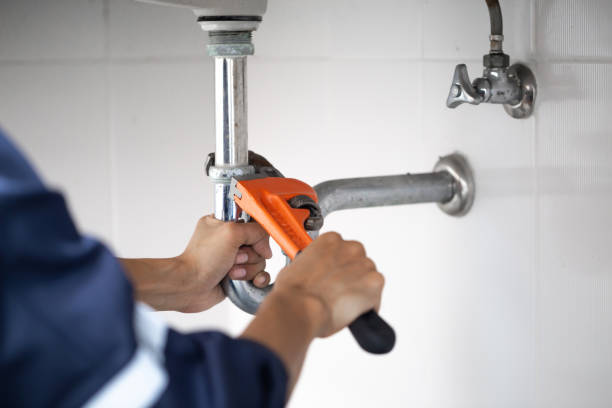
x,y
575,183
460,30
162,121
59,29
142,30
58,115
570,29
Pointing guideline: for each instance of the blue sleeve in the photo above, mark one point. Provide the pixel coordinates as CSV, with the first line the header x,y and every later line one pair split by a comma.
x,y
67,330
212,370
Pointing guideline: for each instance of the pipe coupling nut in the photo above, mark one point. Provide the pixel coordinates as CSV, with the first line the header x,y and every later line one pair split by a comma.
x,y
225,174
230,44
496,60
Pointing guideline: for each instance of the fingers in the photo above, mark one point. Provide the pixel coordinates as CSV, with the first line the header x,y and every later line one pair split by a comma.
x,y
353,249
360,268
262,247
247,255
246,271
249,233
253,273
331,237
210,220
262,279
348,249
373,283
250,265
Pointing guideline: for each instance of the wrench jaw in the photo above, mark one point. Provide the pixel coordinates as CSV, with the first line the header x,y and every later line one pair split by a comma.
x,y
282,206
244,294
287,208
314,222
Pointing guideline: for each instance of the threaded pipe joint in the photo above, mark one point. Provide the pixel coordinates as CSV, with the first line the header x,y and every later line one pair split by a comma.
x,y
230,43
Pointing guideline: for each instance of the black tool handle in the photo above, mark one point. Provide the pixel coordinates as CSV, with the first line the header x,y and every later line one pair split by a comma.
x,y
373,334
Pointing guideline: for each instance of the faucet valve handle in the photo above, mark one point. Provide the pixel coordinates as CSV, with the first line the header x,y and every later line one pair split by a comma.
x,y
461,90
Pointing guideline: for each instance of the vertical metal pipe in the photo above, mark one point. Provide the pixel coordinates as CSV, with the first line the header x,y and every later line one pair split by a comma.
x,y
495,15
230,127
230,50
231,111
497,26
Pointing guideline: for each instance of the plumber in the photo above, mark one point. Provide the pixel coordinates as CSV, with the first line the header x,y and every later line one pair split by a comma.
x,y
75,328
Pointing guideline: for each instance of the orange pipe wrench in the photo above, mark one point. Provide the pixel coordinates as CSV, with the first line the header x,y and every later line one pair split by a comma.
x,y
283,207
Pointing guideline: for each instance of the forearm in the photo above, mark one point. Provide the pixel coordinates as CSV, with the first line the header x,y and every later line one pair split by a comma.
x,y
287,325
149,278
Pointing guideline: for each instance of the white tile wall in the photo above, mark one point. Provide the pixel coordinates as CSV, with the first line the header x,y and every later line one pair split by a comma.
x,y
454,29
357,130
507,307
57,30
301,38
162,121
58,114
162,126
391,29
573,29
341,29
575,231
140,30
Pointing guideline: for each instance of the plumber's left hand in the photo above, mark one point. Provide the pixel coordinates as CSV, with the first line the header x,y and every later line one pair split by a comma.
x,y
190,282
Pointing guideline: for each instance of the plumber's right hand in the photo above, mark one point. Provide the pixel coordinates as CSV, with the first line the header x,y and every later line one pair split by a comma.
x,y
326,287
339,279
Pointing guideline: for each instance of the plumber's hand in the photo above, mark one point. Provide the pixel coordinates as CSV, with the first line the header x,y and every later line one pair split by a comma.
x,y
219,248
190,282
324,289
338,276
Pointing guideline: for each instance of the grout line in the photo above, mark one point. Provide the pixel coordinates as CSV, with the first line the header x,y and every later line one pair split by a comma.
x,y
535,281
103,60
112,145
114,61
420,88
106,19
533,34
536,252
422,31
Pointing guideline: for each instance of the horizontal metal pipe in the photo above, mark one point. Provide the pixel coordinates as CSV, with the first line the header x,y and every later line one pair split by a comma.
x,y
343,194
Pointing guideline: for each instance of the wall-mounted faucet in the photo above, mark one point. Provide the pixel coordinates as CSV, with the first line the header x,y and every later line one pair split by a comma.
x,y
513,86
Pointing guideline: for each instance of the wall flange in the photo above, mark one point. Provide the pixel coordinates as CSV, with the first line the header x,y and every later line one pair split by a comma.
x,y
524,108
464,188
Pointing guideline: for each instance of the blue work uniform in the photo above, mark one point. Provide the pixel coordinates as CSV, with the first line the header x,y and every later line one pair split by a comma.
x,y
72,335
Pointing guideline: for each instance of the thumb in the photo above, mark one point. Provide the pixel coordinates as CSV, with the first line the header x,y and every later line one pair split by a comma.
x,y
258,239
262,247
249,233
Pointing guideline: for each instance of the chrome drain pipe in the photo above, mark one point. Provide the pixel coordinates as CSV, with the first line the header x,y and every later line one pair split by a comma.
x,y
229,50
231,159
232,152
